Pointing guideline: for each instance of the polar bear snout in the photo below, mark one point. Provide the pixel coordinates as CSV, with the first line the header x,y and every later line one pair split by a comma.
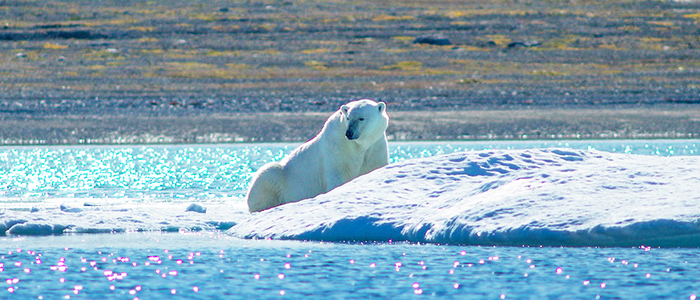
x,y
351,135
353,131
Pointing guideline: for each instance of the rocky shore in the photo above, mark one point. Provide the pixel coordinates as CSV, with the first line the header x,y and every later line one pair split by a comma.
x,y
76,72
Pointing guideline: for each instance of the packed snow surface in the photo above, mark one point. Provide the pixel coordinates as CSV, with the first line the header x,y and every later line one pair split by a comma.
x,y
555,197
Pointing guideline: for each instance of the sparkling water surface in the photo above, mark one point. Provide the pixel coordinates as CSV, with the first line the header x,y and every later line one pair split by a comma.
x,y
184,173
209,265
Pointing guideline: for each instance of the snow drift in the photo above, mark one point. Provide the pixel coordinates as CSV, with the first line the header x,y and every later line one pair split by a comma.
x,y
554,197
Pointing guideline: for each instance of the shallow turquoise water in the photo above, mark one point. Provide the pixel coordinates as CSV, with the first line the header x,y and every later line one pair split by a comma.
x,y
183,173
208,265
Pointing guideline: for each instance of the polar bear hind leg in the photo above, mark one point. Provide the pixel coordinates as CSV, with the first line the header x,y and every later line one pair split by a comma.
x,y
266,190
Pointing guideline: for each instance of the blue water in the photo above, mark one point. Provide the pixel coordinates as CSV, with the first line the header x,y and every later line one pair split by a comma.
x,y
215,173
206,265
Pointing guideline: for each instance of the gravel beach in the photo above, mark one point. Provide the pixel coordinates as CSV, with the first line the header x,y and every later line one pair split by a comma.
x,y
125,72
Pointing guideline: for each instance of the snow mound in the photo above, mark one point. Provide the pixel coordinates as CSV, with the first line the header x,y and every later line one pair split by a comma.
x,y
553,197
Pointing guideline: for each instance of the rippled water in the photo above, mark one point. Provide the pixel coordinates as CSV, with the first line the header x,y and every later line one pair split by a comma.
x,y
210,172
208,265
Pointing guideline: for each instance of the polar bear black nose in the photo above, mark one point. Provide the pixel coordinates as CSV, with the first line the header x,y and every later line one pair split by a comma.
x,y
350,135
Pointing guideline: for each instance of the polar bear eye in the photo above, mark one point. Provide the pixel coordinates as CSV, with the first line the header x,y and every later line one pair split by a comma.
x,y
362,119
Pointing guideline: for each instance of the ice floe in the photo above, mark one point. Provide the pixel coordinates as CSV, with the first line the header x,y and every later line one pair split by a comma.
x,y
553,197
120,218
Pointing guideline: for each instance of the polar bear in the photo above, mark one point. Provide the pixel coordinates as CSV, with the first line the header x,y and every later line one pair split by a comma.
x,y
351,143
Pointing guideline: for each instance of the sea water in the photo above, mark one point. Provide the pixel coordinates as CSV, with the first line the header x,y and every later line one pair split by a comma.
x,y
184,173
210,264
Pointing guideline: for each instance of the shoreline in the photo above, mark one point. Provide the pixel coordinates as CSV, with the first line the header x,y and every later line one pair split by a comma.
x,y
416,126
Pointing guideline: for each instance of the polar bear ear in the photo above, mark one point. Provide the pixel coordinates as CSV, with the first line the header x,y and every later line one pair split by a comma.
x,y
382,106
344,109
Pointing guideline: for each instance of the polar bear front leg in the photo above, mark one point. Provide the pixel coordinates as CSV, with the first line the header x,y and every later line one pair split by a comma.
x,y
376,156
339,169
334,179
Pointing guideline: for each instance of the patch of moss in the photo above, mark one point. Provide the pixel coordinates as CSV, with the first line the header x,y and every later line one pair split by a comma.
x,y
238,67
498,39
266,27
316,51
456,14
142,28
472,48
468,81
316,65
54,46
385,17
222,53
393,50
404,66
562,43
661,23
404,39
96,67
103,54
152,51
548,73
611,47
210,17
268,52
630,28
147,40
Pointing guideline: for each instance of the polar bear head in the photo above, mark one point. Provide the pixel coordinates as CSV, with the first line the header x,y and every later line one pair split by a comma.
x,y
365,120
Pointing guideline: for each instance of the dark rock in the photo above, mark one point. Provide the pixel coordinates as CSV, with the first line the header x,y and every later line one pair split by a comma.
x,y
525,44
683,100
56,25
74,34
78,34
433,39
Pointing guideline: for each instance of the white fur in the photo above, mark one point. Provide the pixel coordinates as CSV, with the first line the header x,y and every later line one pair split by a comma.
x,y
351,143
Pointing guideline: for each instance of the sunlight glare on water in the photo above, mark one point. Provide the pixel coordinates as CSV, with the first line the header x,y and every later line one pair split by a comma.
x,y
167,173
211,172
209,265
